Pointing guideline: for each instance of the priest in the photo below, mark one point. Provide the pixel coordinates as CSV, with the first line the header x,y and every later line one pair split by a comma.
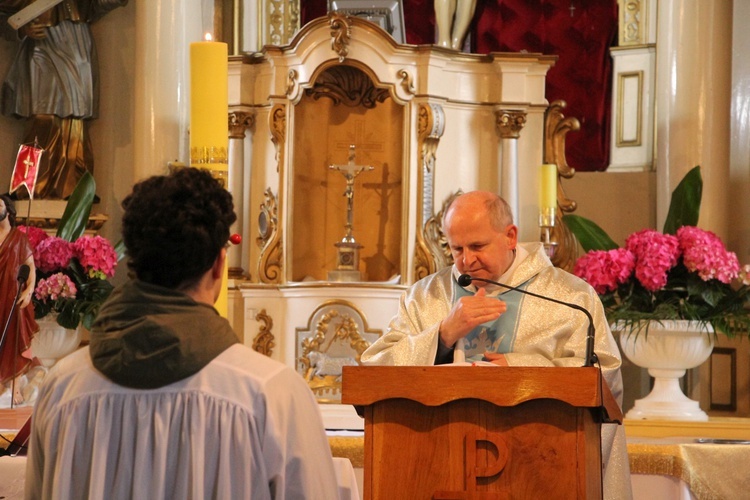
x,y
440,321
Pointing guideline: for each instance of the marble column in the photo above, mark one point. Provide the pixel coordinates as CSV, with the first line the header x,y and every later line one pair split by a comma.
x,y
508,124
239,255
693,92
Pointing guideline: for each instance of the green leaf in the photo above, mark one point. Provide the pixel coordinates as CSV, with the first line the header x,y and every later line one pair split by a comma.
x,y
591,236
685,206
120,249
77,210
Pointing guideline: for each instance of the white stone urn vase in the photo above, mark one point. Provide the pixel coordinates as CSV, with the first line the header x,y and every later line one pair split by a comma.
x,y
667,350
52,341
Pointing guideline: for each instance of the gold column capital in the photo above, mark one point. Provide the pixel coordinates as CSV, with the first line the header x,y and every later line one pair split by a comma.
x,y
509,123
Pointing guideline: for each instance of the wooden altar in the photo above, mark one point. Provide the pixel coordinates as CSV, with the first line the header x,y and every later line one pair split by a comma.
x,y
432,122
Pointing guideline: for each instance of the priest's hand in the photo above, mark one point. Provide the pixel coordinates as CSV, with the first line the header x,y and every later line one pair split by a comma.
x,y
496,358
468,313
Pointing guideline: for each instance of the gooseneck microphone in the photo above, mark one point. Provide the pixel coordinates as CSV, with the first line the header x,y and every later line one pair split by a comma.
x,y
23,273
591,358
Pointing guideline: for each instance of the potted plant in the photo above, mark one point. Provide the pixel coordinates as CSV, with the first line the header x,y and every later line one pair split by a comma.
x,y
72,276
667,287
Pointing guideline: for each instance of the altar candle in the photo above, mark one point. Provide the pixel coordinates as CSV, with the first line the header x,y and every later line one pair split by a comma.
x,y
209,104
548,192
209,122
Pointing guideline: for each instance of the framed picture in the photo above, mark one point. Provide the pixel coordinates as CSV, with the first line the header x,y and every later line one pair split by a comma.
x,y
388,14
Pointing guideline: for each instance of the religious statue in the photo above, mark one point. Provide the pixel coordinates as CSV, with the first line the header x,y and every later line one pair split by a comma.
x,y
15,251
348,248
453,18
53,84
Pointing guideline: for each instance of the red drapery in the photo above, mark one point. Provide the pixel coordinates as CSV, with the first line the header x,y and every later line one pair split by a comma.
x,y
579,32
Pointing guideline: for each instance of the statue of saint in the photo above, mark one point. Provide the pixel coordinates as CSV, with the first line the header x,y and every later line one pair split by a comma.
x,y
453,18
15,251
53,84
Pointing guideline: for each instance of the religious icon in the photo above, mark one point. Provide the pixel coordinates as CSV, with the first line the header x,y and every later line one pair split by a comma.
x,y
347,266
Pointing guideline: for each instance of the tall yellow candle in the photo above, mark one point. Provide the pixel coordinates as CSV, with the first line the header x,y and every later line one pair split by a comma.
x,y
209,105
548,192
209,125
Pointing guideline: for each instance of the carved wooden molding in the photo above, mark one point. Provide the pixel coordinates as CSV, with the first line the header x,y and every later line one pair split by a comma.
x,y
556,127
632,22
271,254
430,128
407,81
277,125
341,34
264,340
349,86
291,81
334,321
281,21
509,123
239,122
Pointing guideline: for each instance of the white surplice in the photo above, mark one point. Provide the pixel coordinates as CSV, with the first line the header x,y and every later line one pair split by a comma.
x,y
244,426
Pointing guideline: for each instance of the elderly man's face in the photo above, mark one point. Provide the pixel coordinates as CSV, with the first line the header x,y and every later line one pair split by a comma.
x,y
478,248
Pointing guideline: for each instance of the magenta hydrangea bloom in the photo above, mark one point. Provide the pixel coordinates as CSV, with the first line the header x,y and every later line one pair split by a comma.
x,y
655,254
34,235
96,254
604,270
703,252
57,286
53,254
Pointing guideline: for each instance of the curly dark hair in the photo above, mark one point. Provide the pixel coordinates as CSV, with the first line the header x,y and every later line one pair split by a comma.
x,y
11,207
175,226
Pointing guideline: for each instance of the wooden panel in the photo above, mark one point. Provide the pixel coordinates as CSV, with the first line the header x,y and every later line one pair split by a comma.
x,y
465,447
578,387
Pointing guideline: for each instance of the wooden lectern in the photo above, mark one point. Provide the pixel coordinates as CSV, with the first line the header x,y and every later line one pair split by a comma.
x,y
474,432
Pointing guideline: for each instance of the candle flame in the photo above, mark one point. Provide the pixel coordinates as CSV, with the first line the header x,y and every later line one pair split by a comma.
x,y
208,37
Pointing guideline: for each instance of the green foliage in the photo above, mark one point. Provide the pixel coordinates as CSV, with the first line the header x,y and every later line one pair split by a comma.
x,y
685,206
77,210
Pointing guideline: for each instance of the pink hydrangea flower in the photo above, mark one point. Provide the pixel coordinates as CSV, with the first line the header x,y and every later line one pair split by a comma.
x,y
604,270
57,286
52,254
703,252
655,254
96,255
34,235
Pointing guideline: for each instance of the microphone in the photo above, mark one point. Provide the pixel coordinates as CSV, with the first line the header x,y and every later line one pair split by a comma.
x,y
591,358
23,273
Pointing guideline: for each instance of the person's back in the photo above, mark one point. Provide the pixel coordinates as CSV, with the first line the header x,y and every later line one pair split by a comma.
x,y
244,426
165,403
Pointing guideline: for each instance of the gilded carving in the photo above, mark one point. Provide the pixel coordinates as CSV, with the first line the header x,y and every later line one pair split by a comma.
x,y
509,123
336,342
281,20
291,81
430,128
436,244
239,122
632,22
556,127
269,240
407,81
349,86
341,34
278,132
264,341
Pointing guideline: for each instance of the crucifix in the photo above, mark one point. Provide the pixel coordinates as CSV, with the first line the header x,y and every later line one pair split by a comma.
x,y
348,248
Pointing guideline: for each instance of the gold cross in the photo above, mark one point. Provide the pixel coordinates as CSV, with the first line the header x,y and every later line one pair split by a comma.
x,y
28,163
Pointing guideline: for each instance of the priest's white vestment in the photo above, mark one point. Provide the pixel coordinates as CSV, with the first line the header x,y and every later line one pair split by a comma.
x,y
545,334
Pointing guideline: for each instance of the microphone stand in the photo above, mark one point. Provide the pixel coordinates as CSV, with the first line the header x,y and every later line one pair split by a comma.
x,y
591,357
2,340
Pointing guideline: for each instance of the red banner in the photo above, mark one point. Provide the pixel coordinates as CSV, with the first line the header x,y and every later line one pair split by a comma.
x,y
26,169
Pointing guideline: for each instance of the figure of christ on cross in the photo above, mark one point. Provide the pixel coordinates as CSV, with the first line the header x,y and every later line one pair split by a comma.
x,y
350,171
